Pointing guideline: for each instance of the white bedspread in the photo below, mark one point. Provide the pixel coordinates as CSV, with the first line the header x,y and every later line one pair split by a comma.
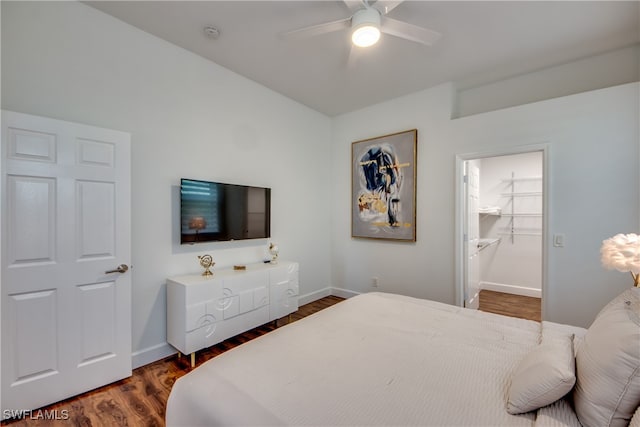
x,y
375,359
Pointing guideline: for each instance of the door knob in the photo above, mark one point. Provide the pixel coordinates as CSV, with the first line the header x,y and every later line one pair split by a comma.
x,y
122,268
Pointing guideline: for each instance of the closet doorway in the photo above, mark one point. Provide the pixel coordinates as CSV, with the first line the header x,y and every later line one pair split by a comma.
x,y
502,221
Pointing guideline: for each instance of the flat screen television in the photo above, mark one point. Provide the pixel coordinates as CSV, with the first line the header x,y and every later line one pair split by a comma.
x,y
214,211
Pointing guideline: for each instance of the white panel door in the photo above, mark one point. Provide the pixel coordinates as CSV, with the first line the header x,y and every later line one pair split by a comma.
x,y
473,238
66,321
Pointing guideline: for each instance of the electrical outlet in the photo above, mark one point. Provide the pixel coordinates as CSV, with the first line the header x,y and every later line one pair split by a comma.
x,y
374,282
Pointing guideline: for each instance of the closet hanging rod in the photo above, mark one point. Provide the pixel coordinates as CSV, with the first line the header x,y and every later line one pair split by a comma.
x,y
485,243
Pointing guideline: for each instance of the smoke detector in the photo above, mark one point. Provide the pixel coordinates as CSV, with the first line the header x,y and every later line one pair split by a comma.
x,y
211,32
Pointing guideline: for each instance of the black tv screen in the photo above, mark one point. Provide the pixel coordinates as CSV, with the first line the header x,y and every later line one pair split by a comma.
x,y
214,211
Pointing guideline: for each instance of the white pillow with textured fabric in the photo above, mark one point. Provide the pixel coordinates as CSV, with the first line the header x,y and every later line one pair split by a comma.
x,y
635,421
607,390
545,375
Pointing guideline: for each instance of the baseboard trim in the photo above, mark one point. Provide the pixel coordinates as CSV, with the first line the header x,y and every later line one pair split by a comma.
x,y
474,302
344,293
313,296
151,354
511,289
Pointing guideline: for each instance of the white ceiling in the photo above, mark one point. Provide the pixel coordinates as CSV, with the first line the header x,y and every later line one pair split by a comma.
x,y
481,42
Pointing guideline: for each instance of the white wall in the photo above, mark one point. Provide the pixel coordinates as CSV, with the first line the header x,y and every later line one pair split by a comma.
x,y
514,265
593,141
422,269
608,69
188,118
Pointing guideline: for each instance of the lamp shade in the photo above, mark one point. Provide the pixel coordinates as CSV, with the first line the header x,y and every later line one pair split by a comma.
x,y
365,27
621,252
197,223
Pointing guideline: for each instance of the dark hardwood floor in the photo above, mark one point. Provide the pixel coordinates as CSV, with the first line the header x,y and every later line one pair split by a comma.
x,y
510,305
140,400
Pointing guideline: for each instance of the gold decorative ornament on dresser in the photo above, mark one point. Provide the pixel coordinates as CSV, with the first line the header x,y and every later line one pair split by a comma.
x,y
205,310
206,262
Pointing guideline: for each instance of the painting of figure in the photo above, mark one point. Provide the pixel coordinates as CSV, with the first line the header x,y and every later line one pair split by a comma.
x,y
383,187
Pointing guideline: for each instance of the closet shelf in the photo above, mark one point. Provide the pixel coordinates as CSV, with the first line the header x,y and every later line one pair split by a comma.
x,y
524,178
529,193
533,215
490,210
512,195
516,233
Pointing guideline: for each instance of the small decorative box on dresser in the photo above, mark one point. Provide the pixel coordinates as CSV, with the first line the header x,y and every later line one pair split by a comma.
x,y
205,310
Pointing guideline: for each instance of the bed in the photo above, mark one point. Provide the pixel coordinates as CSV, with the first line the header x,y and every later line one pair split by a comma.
x,y
385,359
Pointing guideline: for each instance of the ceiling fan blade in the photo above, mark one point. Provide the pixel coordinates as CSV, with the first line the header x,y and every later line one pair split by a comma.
x,y
354,5
386,6
407,31
352,58
318,29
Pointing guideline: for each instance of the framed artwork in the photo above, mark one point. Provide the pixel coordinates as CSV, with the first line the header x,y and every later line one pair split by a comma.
x,y
383,187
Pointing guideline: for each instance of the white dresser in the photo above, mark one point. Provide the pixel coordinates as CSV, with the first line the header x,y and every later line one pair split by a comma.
x,y
205,310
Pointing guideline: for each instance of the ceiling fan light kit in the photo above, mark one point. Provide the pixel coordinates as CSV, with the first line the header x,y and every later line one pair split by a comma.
x,y
365,27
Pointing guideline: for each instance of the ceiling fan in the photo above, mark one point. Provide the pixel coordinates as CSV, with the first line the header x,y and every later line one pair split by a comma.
x,y
367,21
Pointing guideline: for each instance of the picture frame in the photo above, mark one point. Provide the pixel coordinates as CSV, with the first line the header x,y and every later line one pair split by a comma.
x,y
383,187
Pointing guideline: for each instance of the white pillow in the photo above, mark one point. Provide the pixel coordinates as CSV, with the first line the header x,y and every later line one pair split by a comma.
x,y
545,375
607,389
635,420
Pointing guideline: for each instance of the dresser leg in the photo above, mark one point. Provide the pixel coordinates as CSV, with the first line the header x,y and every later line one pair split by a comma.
x,y
193,359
